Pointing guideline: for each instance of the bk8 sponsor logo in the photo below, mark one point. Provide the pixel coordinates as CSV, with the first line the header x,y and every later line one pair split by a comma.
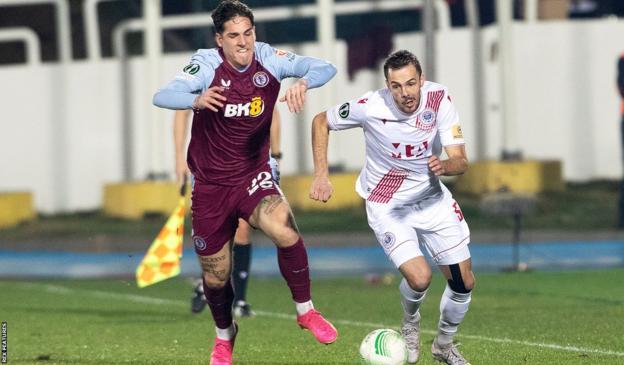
x,y
251,109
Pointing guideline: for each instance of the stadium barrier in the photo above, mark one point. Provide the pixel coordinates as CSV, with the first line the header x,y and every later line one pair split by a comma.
x,y
134,200
529,176
297,189
15,208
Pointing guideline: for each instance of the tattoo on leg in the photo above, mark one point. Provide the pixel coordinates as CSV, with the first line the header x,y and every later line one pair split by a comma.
x,y
214,266
205,259
269,203
219,274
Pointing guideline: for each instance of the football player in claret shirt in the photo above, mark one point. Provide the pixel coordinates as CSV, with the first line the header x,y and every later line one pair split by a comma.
x,y
233,89
242,247
406,125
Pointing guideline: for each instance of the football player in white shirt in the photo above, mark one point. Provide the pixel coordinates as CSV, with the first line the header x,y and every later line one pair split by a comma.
x,y
406,126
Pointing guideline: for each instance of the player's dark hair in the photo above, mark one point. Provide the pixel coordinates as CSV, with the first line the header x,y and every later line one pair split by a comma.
x,y
227,10
400,59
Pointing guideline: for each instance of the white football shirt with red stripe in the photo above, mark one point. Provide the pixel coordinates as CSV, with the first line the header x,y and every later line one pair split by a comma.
x,y
398,145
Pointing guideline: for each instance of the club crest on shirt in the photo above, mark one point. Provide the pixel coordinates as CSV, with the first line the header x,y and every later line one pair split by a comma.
x,y
260,79
426,120
457,132
191,69
388,240
343,111
199,242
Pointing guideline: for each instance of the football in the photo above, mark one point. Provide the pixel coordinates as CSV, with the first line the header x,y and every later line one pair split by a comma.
x,y
383,347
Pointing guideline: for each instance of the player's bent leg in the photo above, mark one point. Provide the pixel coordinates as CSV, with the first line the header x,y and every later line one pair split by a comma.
x,y
413,287
417,273
400,242
453,308
241,268
274,217
220,296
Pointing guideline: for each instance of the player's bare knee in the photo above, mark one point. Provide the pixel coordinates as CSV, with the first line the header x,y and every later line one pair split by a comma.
x,y
418,278
417,273
420,282
469,280
282,230
213,282
285,238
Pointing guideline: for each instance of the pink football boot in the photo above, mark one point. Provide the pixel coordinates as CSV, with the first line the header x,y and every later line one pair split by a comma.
x,y
222,350
314,322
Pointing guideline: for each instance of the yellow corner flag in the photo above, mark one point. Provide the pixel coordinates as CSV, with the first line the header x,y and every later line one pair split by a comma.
x,y
162,260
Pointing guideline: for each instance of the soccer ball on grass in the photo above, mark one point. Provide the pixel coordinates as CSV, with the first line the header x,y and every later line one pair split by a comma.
x,y
383,347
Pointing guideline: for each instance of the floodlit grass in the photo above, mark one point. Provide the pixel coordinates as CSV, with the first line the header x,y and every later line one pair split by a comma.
x,y
519,318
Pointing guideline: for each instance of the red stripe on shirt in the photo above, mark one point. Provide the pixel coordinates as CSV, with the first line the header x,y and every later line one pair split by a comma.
x,y
434,98
387,186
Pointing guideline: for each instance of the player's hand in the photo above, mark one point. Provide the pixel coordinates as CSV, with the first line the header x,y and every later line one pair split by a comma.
x,y
295,96
182,170
436,166
321,189
210,99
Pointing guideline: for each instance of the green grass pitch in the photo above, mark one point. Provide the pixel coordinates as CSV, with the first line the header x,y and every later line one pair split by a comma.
x,y
520,318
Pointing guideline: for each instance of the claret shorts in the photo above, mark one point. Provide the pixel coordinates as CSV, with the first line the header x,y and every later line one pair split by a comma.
x,y
216,209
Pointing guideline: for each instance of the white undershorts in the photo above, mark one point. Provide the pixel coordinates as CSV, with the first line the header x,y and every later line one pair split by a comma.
x,y
403,228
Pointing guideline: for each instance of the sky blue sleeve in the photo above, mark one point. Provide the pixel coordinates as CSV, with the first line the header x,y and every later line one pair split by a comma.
x,y
190,82
284,64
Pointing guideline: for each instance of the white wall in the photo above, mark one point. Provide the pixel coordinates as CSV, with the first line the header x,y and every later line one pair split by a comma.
x,y
60,127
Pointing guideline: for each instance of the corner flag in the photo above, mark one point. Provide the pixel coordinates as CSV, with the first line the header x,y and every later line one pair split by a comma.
x,y
162,259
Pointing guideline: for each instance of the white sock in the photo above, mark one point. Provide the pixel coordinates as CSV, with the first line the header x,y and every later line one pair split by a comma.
x,y
410,299
226,333
303,308
453,308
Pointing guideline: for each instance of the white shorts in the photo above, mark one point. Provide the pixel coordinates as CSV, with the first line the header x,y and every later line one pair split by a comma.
x,y
438,226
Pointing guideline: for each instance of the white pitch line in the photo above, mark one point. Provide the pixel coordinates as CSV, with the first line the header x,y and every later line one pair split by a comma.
x,y
158,301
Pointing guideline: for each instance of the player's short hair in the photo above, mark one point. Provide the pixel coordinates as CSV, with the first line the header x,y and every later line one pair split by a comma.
x,y
227,10
400,59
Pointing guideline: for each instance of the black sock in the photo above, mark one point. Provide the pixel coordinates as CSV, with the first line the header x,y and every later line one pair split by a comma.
x,y
240,274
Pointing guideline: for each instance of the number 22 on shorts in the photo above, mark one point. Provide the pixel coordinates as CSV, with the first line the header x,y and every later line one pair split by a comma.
x,y
263,180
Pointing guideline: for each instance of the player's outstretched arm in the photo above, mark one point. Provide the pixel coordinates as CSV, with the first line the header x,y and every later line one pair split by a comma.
x,y
295,96
180,126
313,72
321,188
456,164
